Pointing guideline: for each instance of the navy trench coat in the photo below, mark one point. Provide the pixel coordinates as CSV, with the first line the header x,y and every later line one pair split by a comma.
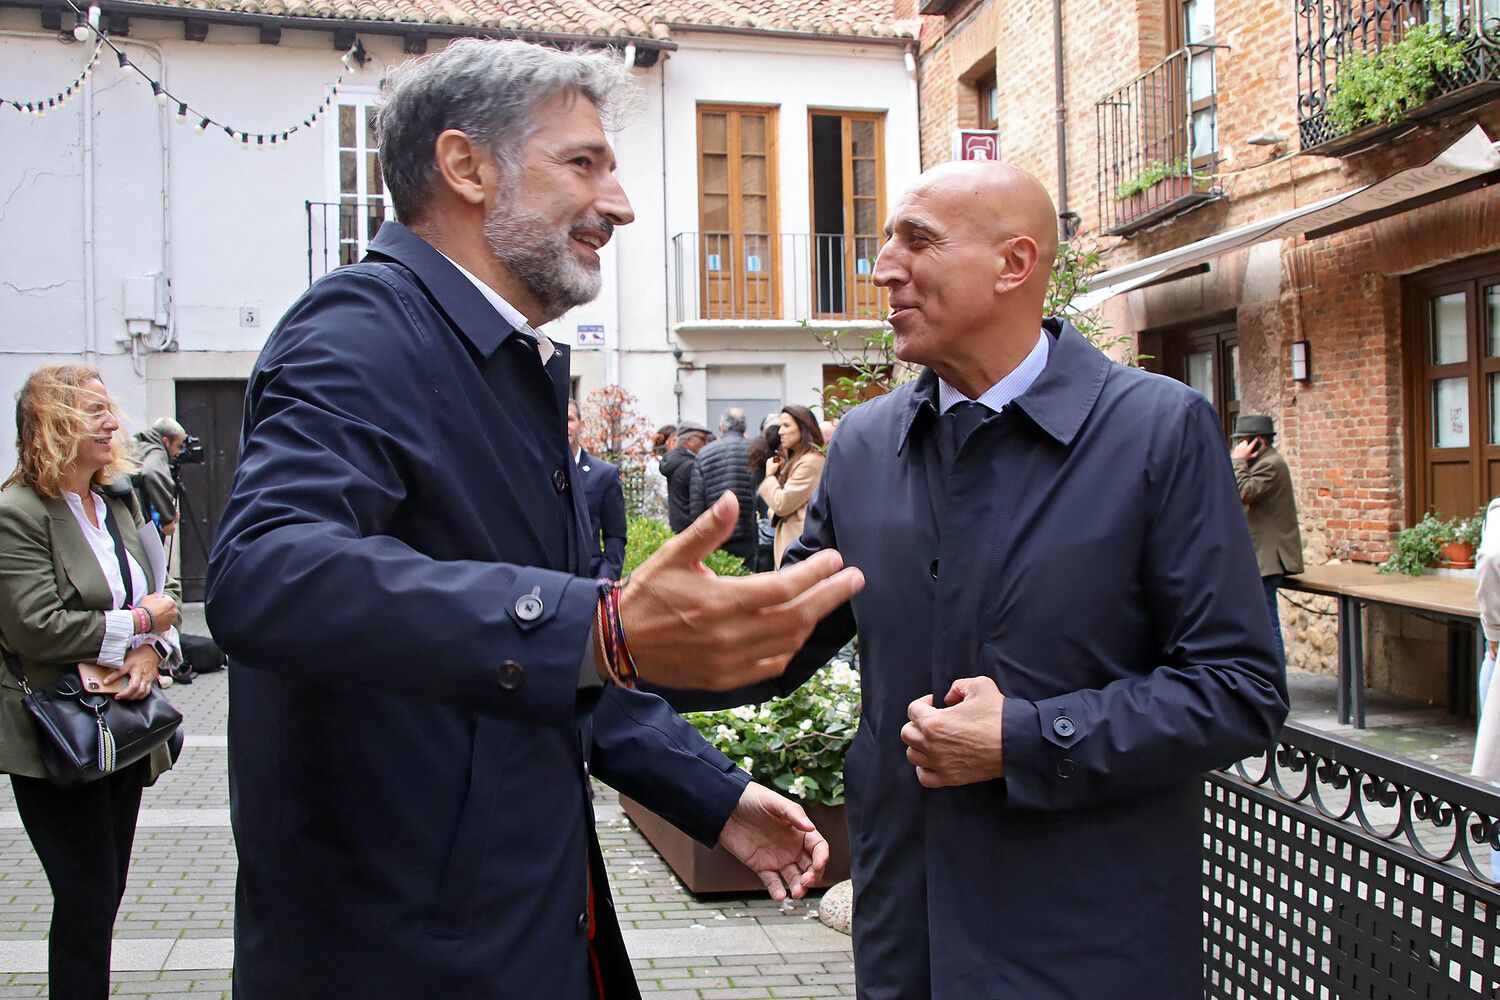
x,y
1089,553
396,579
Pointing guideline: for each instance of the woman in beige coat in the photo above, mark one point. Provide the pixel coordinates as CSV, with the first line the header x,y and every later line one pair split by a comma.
x,y
73,571
792,477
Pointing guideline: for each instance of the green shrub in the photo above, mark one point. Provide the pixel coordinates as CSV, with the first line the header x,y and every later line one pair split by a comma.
x,y
644,535
1385,85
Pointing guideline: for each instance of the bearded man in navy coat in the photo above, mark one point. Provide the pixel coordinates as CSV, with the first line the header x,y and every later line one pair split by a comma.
x,y
402,579
604,499
1063,629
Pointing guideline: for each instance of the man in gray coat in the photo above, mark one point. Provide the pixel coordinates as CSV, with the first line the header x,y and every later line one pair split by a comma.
x,y
724,467
1265,485
1060,632
156,450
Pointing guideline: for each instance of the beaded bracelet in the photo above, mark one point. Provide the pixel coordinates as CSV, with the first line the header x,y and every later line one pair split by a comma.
x,y
142,623
150,618
617,659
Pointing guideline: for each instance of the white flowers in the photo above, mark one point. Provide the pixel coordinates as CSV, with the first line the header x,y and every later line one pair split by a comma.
x,y
725,733
748,764
799,787
805,725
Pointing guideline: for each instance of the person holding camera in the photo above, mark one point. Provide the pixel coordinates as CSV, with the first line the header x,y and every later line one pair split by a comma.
x,y
157,452
1265,485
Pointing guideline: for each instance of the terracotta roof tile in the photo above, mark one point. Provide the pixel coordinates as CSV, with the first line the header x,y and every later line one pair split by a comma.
x,y
592,18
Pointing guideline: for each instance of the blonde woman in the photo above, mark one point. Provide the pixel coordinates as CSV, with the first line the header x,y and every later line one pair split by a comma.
x,y
792,475
74,574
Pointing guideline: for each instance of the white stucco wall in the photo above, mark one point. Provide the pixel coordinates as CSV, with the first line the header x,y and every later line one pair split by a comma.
x,y
229,228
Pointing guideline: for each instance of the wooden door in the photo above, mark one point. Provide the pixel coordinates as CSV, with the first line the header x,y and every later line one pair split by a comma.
x,y
739,269
848,186
212,411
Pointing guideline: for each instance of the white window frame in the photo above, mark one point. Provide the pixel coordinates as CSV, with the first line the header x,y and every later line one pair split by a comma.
x,y
361,99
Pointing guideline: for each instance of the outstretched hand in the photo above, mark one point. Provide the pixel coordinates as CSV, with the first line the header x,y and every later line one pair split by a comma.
x,y
774,838
688,628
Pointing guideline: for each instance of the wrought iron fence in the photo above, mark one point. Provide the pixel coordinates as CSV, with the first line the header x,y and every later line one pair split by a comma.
x,y
775,276
1329,32
339,231
1333,871
1158,139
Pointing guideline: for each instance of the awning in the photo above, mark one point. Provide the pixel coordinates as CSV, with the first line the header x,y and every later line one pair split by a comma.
x,y
1472,156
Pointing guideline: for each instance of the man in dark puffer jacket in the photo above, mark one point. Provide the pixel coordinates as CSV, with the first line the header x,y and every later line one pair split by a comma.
x,y
677,468
725,465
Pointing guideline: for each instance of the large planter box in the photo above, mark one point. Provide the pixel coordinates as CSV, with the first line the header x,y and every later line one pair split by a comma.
x,y
704,870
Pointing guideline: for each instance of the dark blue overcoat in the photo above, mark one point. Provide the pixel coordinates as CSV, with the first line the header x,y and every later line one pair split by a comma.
x,y
606,510
1089,553
395,579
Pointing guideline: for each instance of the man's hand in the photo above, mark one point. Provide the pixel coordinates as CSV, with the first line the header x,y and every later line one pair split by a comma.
x,y
775,839
1247,448
960,744
688,628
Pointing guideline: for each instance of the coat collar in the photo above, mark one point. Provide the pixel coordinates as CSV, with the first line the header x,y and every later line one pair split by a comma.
x,y
1058,401
78,560
465,306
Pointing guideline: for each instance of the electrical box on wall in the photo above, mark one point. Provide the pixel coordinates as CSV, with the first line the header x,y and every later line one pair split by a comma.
x,y
144,305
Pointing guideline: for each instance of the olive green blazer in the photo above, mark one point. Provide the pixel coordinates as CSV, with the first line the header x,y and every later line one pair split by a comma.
x,y
52,602
1265,487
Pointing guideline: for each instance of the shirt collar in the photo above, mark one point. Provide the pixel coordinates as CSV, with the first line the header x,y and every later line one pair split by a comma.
x,y
507,312
1058,401
1008,388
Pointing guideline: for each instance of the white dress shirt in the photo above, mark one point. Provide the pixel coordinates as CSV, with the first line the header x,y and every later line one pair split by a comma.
x,y
508,312
119,625
1008,388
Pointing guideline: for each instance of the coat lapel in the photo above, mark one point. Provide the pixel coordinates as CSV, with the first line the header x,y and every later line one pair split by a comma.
x,y
77,558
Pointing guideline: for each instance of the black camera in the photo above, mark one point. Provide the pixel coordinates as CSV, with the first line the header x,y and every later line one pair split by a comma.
x,y
191,453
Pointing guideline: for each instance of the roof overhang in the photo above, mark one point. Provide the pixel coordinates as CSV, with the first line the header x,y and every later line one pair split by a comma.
x,y
1470,163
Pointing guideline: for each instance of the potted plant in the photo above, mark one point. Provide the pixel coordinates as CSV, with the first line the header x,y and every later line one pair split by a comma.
x,y
795,744
1435,541
1158,184
1384,87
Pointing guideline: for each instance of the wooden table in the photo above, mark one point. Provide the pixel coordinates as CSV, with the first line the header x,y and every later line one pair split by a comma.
x,y
1358,585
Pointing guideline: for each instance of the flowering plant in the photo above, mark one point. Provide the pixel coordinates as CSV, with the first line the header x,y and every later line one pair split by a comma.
x,y
797,743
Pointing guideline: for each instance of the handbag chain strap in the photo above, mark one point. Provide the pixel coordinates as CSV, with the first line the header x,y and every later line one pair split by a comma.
x,y
106,742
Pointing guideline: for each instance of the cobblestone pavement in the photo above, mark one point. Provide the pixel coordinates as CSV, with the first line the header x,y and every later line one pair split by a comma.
x,y
173,935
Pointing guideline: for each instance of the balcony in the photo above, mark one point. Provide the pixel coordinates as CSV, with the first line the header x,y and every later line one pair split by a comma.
x,y
339,231
769,280
1158,142
1364,39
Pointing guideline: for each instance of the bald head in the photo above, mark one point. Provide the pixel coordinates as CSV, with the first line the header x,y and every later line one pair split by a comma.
x,y
1005,202
968,255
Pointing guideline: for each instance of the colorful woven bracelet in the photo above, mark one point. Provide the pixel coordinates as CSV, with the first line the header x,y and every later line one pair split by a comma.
x,y
617,659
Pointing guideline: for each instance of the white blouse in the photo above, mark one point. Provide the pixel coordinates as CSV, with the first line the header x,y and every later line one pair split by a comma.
x,y
119,625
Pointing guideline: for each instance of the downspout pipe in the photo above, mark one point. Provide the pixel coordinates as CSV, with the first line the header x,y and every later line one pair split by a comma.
x,y
1062,118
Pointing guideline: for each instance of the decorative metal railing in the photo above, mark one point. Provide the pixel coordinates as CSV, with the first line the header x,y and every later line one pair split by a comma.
x,y
774,276
1332,871
1329,32
1158,139
339,231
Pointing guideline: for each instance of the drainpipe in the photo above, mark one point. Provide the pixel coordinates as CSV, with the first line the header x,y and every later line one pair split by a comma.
x,y
86,145
1062,117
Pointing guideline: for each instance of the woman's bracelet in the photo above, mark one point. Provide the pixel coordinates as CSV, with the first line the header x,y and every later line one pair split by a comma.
x,y
145,621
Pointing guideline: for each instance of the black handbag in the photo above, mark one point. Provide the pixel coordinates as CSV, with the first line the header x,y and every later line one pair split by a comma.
x,y
83,736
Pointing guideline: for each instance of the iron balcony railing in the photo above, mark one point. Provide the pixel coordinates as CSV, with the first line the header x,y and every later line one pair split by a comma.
x,y
1158,139
787,277
339,231
1330,32
1331,870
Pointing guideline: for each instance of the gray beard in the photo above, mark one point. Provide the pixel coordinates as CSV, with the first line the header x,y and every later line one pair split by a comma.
x,y
537,253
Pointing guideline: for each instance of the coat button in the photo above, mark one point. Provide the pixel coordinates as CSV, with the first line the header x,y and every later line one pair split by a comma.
x,y
1064,726
512,675
933,569
583,920
529,607
1065,768
560,481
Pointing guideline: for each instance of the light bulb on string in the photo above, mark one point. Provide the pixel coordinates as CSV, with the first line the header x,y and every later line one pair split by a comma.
x,y
202,126
81,30
244,140
161,95
124,59
181,114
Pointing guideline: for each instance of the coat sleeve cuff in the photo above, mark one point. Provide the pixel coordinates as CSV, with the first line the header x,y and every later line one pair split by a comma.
x,y
119,628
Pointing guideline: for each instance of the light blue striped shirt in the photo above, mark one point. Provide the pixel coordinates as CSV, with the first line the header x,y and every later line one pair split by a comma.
x,y
1008,388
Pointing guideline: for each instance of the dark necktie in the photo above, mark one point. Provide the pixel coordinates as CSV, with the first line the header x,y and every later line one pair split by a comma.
x,y
957,424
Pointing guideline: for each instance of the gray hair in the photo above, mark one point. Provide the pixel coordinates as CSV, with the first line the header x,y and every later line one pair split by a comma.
x,y
168,428
731,420
489,90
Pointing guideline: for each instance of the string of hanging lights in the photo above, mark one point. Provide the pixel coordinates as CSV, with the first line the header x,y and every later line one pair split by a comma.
x,y
88,24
